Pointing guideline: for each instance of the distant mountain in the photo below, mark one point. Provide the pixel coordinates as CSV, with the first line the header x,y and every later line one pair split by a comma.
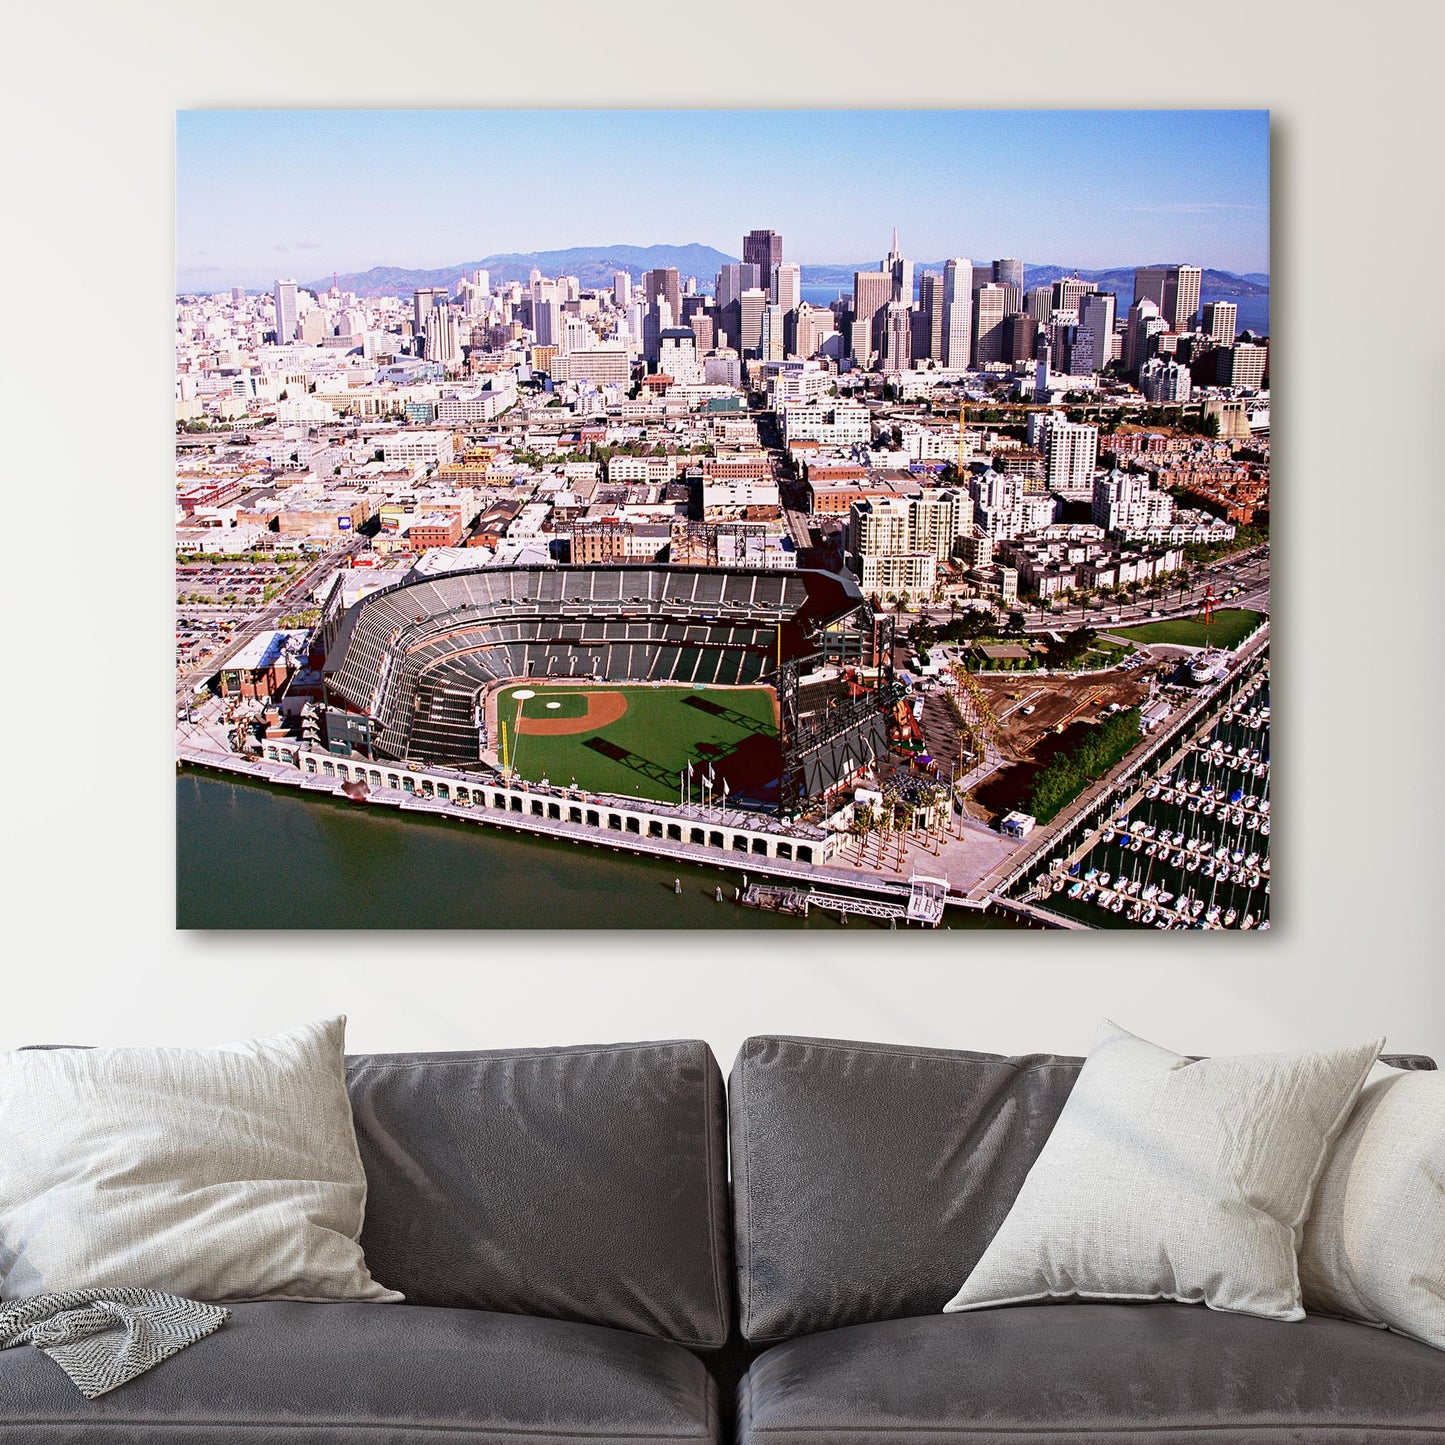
x,y
1120,280
592,265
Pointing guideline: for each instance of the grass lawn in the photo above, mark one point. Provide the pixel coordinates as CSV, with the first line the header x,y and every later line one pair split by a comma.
x,y
641,753
1229,627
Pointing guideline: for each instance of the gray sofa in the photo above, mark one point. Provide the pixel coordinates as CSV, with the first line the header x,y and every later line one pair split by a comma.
x,y
867,1181
559,1220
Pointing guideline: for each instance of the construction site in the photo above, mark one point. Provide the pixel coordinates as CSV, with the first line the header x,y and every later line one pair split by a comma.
x,y
995,732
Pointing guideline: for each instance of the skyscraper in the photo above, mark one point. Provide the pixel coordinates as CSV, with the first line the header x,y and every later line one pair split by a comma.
x,y
547,319
1009,272
1144,322
1221,320
622,289
285,312
787,285
442,342
989,309
872,291
930,317
893,336
771,340
663,282
901,270
751,305
1173,289
763,249
1071,450
729,284
1068,291
957,313
1096,318
422,301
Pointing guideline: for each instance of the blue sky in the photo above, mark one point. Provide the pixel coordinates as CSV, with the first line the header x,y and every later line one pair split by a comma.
x,y
261,194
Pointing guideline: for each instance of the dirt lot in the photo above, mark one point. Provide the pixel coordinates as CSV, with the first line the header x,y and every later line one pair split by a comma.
x,y
1029,741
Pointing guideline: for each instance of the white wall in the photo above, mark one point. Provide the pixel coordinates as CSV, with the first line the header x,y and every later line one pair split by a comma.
x,y
1356,944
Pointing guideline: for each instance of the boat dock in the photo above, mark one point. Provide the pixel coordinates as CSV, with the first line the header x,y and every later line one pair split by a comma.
x,y
925,903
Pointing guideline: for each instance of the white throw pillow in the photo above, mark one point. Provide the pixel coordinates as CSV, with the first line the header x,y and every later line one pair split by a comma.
x,y
1171,1178
220,1174
1374,1244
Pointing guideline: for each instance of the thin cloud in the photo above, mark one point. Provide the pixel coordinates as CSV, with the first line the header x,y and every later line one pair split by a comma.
x,y
281,246
308,245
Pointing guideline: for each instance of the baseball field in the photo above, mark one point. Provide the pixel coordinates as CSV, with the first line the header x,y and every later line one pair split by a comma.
x,y
637,740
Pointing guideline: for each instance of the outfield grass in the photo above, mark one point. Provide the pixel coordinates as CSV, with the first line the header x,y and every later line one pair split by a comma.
x,y
1229,627
642,752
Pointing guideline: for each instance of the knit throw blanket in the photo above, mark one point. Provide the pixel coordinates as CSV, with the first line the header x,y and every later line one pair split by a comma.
x,y
103,1337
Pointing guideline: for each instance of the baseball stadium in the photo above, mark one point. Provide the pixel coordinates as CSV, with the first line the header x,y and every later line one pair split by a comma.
x,y
656,682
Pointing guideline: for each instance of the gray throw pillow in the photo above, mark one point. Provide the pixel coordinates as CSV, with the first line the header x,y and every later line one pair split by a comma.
x,y
1374,1244
1172,1178
220,1174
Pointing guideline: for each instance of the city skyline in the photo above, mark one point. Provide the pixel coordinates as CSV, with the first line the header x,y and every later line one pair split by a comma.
x,y
1088,188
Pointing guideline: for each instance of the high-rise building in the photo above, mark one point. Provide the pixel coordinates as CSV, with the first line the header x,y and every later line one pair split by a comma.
x,y
893,336
422,301
929,330
705,330
1173,289
1039,303
442,341
763,249
872,291
677,356
901,270
621,289
957,341
989,309
751,305
1068,291
1096,330
1221,321
1164,381
286,316
482,280
1010,272
1071,452
772,344
547,319
1021,333
812,326
1145,322
787,285
664,282
1243,364
729,284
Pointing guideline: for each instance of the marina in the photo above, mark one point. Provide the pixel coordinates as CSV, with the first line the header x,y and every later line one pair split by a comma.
x,y
1192,848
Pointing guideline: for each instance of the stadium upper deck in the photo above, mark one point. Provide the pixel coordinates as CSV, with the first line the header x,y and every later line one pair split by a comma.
x,y
408,662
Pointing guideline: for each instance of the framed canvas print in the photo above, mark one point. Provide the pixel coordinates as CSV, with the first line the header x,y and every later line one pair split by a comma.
x,y
827,519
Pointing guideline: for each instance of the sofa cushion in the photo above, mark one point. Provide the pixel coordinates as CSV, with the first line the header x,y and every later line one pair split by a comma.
x,y
324,1374
575,1183
868,1179
1099,1374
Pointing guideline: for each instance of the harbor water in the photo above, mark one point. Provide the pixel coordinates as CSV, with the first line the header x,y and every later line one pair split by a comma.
x,y
253,856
